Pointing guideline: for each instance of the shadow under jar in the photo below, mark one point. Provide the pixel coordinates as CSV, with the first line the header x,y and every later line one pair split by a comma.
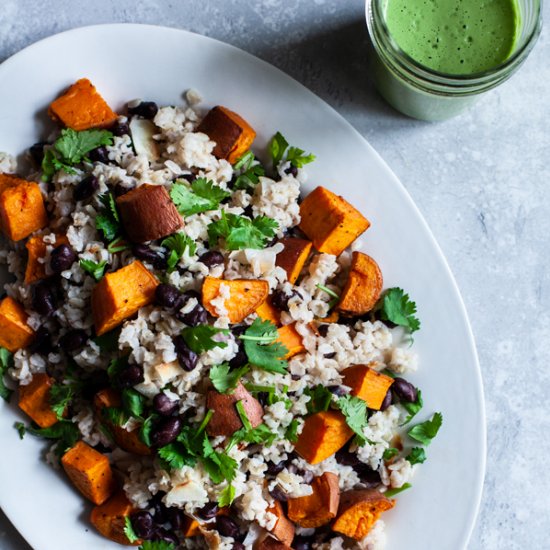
x,y
421,87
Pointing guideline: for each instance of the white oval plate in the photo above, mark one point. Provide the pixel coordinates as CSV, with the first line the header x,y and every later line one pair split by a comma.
x,y
129,61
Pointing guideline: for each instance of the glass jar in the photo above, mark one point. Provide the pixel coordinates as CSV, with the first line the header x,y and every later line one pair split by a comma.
x,y
423,93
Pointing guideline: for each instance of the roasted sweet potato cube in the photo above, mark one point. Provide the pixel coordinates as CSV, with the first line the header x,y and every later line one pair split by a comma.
x,y
330,221
34,400
36,248
22,210
121,294
110,518
232,134
359,511
81,107
9,180
148,213
294,256
323,434
245,296
226,420
363,287
320,507
367,384
267,312
283,529
15,333
191,527
90,472
270,543
291,339
127,440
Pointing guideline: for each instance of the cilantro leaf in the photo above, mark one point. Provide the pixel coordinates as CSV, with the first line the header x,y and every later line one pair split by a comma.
x,y
412,408
277,148
298,158
108,220
240,232
157,545
6,359
320,400
393,492
51,164
177,244
261,347
250,172
355,411
108,341
417,455
129,530
73,146
176,456
133,403
116,366
60,397
96,270
147,428
201,337
224,379
200,196
426,431
396,307
292,431
226,496
390,453
64,431
21,429
114,415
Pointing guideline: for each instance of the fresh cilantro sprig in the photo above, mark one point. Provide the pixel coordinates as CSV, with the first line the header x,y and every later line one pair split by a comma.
x,y
413,408
200,196
291,432
249,434
227,496
6,361
224,379
426,431
201,338
262,349
355,411
109,341
392,492
129,530
250,173
239,232
133,402
280,150
117,245
71,148
417,455
108,220
396,307
335,297
65,432
95,269
157,545
61,396
320,399
177,244
390,453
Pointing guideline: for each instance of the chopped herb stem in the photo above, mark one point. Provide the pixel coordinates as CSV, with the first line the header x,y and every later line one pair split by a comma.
x,y
205,422
328,291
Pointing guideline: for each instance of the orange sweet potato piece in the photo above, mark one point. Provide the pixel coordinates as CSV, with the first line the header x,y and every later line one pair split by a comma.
x,y
191,527
110,518
318,508
359,510
81,107
22,210
15,333
232,134
129,441
330,221
246,295
369,385
226,420
283,529
363,287
323,434
267,312
8,180
36,248
291,339
148,213
121,294
270,543
34,399
90,472
294,256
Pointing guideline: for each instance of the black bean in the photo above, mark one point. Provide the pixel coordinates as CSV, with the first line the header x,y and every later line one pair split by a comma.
x,y
197,316
62,258
167,295
121,189
292,170
302,542
163,405
73,340
208,511
143,524
164,535
187,358
147,254
369,477
404,390
85,188
145,109
166,431
227,527
37,152
42,342
387,400
99,154
238,546
347,458
96,381
262,397
275,468
278,494
212,258
280,299
323,330
130,376
177,518
43,299
337,390
120,128
160,509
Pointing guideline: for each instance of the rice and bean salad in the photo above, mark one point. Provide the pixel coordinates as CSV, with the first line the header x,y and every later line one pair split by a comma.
x,y
210,357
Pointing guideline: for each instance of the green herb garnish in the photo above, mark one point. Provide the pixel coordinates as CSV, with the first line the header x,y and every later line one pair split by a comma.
x,y
6,361
396,307
201,338
262,349
200,196
279,146
250,172
426,431
417,455
239,232
392,492
96,270
224,379
355,411
177,244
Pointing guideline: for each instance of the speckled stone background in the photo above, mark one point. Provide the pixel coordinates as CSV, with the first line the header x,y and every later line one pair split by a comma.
x,y
481,180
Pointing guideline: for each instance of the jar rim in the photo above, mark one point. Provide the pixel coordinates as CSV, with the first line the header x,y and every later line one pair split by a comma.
x,y
371,7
